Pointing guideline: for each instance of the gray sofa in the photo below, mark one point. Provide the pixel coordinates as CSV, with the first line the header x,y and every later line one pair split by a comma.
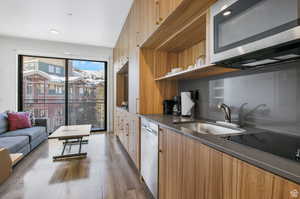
x,y
22,140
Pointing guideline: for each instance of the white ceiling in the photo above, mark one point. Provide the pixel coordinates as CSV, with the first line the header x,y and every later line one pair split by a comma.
x,y
92,22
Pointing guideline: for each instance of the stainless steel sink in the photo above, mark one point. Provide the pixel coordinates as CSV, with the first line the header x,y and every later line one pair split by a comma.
x,y
211,128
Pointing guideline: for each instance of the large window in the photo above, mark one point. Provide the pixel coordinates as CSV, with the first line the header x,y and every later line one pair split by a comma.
x,y
65,91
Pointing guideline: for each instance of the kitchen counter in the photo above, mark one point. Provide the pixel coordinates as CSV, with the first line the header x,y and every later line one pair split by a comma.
x,y
275,164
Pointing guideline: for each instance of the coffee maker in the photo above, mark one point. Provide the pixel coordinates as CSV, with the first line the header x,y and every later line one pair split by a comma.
x,y
177,106
168,107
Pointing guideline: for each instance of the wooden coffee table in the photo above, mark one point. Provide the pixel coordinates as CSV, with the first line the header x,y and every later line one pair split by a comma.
x,y
71,135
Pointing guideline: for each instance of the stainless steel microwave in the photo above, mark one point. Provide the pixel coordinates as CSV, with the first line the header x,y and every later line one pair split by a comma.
x,y
249,33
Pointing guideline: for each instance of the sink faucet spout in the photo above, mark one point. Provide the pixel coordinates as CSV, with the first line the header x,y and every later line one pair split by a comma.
x,y
227,112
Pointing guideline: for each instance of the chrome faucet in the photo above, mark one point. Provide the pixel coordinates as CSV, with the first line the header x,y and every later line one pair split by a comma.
x,y
227,112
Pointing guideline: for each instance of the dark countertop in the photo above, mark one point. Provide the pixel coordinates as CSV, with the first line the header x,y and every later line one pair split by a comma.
x,y
275,164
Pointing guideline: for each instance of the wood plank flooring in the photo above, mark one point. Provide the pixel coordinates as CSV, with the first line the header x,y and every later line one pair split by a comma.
x,y
104,174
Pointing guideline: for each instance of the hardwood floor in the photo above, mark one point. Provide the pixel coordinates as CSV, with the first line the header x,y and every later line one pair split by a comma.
x,y
104,174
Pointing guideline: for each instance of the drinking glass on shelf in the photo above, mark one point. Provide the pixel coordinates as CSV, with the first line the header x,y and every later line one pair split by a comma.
x,y
200,61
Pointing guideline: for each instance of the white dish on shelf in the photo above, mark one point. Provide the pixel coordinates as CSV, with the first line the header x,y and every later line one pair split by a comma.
x,y
176,70
171,74
191,67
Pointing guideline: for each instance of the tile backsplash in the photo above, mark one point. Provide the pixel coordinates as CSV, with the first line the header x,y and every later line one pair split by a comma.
x,y
268,98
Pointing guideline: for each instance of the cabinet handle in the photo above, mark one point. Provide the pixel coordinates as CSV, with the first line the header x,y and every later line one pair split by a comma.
x,y
157,12
137,105
160,140
294,193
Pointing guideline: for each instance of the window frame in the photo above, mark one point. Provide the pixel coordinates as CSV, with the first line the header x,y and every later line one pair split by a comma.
x,y
66,93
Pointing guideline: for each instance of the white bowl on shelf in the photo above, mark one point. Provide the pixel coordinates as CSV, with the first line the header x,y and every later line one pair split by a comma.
x,y
176,70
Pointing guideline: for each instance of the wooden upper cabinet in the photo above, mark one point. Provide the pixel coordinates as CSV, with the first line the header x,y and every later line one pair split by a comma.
x,y
165,8
122,47
284,189
133,72
253,182
133,22
148,18
153,12
116,56
125,43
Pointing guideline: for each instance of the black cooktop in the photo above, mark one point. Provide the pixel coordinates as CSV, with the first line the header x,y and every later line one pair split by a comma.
x,y
286,146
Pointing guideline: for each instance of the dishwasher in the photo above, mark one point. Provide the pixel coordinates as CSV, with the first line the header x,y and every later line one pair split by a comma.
x,y
149,155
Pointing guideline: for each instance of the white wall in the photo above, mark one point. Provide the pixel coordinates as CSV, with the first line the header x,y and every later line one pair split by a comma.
x,y
11,47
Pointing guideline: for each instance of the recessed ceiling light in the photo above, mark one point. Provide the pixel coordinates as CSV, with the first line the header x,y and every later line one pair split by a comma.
x,y
54,31
67,53
226,13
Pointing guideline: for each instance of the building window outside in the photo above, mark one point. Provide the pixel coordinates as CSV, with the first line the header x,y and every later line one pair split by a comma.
x,y
42,113
29,89
58,89
41,88
35,66
81,92
58,70
51,69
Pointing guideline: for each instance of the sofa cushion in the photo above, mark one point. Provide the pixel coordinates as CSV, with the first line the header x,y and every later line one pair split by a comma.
x,y
33,132
18,120
3,123
14,144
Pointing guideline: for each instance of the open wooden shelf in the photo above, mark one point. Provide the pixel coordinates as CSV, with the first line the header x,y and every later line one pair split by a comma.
x,y
196,73
186,13
189,35
122,84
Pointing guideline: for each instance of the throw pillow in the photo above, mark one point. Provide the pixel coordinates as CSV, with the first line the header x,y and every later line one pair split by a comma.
x,y
18,120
